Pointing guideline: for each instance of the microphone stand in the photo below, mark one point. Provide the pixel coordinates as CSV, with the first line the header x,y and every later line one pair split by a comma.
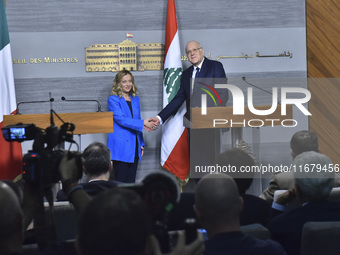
x,y
32,102
270,93
83,100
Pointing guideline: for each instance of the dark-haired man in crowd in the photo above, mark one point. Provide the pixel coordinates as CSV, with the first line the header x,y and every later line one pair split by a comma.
x,y
255,210
218,206
97,166
300,142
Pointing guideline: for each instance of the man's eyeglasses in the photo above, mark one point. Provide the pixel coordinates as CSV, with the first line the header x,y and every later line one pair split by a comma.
x,y
193,51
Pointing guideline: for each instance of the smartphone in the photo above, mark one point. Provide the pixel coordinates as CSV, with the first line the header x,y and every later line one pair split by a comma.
x,y
190,228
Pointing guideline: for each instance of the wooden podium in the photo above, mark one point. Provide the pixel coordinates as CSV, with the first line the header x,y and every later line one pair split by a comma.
x,y
85,123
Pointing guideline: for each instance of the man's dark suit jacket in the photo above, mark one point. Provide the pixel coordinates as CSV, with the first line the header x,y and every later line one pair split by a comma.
x,y
286,228
92,188
209,69
255,210
237,243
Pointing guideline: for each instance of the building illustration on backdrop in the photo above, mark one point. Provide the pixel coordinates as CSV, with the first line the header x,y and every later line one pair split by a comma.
x,y
126,55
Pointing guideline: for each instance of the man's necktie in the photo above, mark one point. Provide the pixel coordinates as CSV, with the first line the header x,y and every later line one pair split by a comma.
x,y
192,80
197,72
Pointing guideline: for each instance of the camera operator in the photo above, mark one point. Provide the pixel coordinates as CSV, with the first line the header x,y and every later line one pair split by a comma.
x,y
97,166
116,221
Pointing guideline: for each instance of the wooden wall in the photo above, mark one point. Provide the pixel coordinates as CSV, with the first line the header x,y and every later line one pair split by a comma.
x,y
323,69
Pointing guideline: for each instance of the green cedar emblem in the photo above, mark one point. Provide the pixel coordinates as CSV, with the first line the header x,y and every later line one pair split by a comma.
x,y
172,81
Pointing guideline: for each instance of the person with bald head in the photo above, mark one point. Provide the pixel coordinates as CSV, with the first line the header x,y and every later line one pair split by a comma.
x,y
218,207
11,222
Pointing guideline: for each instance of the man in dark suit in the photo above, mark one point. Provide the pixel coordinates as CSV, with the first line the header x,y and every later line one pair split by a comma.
x,y
97,167
312,189
206,69
201,73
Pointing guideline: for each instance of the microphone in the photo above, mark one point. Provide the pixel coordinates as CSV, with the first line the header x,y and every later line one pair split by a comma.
x,y
32,102
270,93
83,100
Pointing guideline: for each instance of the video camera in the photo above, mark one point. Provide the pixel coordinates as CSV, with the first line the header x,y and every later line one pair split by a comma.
x,y
40,165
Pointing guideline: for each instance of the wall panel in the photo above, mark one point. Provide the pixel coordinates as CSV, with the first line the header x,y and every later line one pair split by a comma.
x,y
323,66
120,15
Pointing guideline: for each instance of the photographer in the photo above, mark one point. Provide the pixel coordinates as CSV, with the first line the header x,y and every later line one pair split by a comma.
x,y
97,166
116,221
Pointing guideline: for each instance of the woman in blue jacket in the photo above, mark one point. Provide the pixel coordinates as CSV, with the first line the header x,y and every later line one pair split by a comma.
x,y
126,143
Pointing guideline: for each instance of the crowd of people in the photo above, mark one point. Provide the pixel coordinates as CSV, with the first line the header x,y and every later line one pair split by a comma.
x,y
116,218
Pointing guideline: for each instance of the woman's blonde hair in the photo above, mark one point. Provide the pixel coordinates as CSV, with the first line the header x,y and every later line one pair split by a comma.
x,y
117,88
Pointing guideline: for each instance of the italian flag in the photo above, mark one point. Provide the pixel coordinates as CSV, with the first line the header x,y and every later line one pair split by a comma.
x,y
175,145
11,154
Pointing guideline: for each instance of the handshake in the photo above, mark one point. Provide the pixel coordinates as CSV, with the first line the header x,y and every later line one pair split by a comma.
x,y
151,124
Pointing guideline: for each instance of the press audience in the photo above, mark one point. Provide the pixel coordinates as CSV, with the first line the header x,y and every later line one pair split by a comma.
x,y
114,222
255,209
312,189
300,142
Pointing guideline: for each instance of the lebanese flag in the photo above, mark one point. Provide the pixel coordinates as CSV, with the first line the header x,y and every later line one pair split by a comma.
x,y
11,154
175,145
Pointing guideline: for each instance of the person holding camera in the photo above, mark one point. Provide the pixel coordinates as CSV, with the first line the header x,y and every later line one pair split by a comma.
x,y
97,166
116,221
126,143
